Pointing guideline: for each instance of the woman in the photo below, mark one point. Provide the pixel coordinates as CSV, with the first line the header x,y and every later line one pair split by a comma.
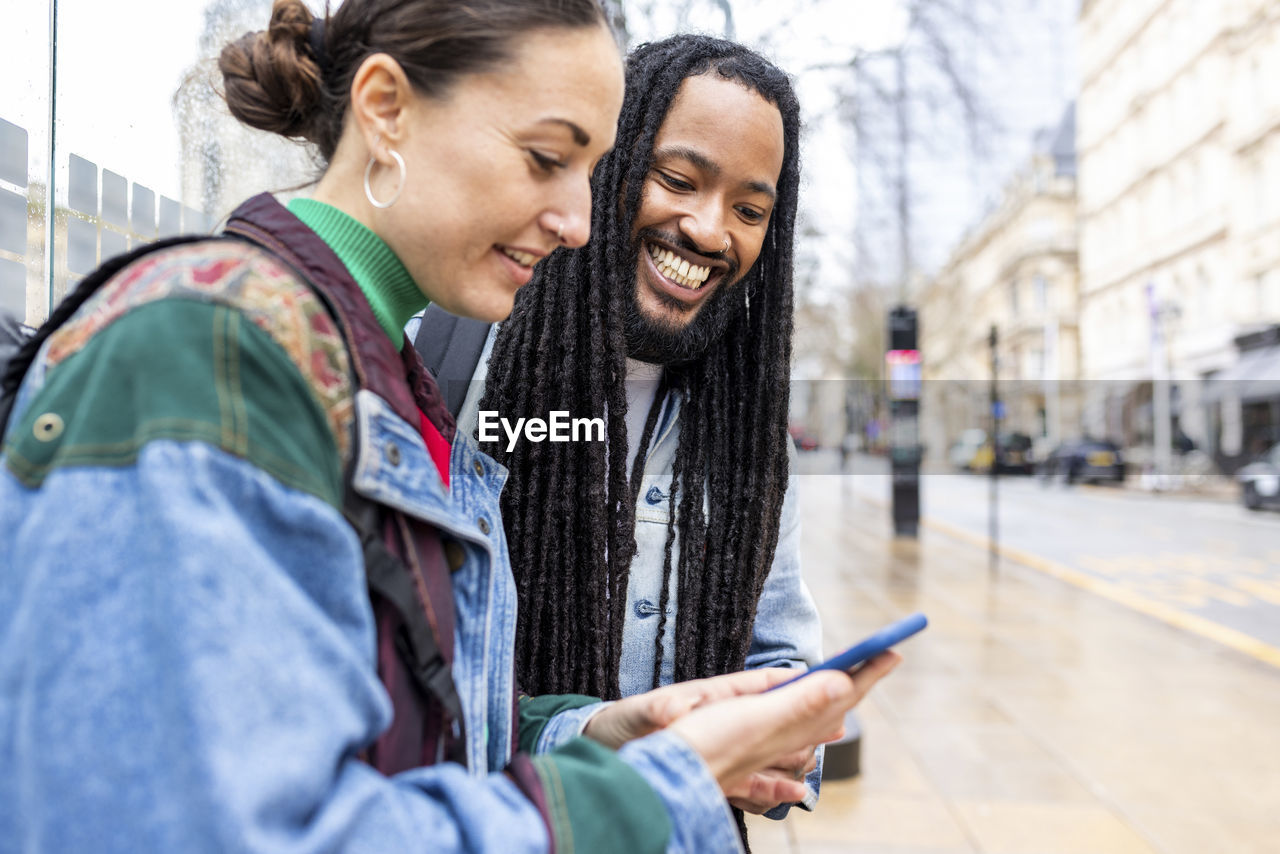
x,y
188,656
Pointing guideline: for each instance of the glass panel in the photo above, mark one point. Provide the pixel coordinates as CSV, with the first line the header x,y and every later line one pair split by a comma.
x,y
82,246
144,212
13,222
13,153
170,217
113,243
82,186
24,150
143,144
13,278
115,199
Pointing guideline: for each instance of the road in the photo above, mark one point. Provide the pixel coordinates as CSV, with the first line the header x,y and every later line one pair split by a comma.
x,y
1210,566
1035,716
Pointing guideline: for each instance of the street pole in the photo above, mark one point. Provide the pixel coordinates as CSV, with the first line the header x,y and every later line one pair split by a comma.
x,y
994,539
49,220
904,175
903,386
1161,415
1051,377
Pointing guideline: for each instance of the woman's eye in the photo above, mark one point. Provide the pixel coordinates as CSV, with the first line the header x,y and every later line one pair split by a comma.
x,y
674,182
546,162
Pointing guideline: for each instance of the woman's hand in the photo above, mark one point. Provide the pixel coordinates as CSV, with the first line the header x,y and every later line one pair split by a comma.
x,y
758,746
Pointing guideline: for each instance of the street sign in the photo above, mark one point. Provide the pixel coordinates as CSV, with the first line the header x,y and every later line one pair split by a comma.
x,y
902,367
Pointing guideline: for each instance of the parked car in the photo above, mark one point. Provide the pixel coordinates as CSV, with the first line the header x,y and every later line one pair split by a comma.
x,y
966,448
805,441
1260,481
1012,455
1085,461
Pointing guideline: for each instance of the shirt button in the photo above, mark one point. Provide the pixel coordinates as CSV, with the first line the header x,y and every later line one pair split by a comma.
x,y
393,454
479,467
484,526
454,555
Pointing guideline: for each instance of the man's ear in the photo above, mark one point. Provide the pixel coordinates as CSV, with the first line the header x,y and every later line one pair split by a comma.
x,y
380,94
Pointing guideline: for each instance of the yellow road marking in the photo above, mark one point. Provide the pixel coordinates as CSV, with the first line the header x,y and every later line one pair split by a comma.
x,y
1228,637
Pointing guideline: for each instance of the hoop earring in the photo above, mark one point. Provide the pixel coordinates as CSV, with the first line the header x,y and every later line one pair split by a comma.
x,y
368,193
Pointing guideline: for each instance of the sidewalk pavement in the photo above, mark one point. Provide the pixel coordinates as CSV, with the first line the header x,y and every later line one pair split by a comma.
x,y
1031,717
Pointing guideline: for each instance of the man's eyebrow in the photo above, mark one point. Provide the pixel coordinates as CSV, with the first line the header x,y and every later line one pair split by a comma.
x,y
763,187
706,164
580,136
693,155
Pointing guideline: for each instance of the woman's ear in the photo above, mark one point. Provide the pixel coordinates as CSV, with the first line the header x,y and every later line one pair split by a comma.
x,y
380,93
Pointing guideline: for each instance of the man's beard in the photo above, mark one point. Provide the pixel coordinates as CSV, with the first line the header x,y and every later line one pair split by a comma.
x,y
667,342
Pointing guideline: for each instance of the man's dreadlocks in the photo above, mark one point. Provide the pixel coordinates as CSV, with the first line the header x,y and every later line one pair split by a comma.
x,y
570,508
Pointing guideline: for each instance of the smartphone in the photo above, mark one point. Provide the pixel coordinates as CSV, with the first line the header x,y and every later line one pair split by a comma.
x,y
869,647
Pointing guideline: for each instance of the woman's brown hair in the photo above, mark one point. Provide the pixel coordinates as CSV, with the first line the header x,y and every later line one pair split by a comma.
x,y
294,78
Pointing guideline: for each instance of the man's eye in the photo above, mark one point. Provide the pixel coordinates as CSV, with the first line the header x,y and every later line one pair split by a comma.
x,y
673,182
751,214
546,162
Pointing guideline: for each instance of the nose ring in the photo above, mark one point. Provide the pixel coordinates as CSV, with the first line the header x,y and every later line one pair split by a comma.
x,y
726,245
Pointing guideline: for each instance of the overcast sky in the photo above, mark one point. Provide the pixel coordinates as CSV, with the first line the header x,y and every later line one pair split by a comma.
x,y
119,65
117,76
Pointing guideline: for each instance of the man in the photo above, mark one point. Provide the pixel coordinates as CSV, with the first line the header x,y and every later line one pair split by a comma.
x,y
674,326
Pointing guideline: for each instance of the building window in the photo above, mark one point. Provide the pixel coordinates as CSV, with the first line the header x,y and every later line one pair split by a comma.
x,y
1041,290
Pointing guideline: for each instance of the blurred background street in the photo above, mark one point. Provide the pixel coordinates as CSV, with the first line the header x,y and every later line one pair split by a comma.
x,y
1200,560
1037,715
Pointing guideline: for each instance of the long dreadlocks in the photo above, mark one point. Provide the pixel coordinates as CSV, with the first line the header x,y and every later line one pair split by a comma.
x,y
569,509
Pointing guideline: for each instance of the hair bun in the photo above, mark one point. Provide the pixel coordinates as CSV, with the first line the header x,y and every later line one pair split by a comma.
x,y
271,79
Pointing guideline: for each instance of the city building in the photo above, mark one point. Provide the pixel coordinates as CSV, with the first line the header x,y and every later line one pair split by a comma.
x,y
1179,149
223,161
1015,271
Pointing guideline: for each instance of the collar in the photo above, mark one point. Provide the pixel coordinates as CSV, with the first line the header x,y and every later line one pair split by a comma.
x,y
383,279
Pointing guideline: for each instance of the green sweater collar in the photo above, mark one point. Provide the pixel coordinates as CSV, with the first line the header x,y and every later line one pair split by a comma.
x,y
386,284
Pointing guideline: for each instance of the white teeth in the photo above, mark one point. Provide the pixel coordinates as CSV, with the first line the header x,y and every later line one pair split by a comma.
x,y
524,259
678,269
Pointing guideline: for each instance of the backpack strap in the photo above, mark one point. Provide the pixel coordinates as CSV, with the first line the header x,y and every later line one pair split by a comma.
x,y
388,577
450,347
417,643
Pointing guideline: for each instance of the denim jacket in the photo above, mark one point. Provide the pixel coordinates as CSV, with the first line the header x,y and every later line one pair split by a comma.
x,y
187,648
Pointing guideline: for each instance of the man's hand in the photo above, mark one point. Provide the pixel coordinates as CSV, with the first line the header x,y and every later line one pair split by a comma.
x,y
781,784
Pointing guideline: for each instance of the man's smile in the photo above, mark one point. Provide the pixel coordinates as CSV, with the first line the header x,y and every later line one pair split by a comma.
x,y
680,273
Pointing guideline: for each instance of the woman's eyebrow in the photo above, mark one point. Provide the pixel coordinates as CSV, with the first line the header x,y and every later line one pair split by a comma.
x,y
580,136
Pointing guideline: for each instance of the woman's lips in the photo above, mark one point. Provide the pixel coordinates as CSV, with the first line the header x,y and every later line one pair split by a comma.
x,y
519,273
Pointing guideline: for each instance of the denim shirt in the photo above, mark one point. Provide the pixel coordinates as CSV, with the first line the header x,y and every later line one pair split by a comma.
x,y
787,631
129,721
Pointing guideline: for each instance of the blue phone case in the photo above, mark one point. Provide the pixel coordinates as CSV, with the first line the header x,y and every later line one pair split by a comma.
x,y
869,647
